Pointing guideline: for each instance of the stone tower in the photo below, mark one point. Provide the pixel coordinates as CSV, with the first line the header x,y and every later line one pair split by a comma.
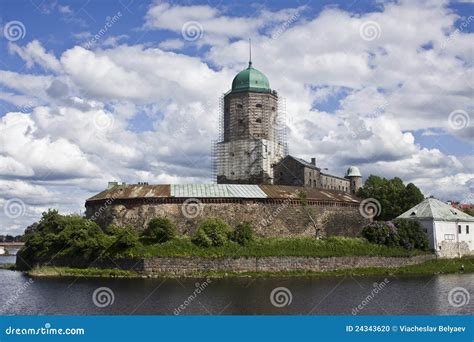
x,y
253,139
354,176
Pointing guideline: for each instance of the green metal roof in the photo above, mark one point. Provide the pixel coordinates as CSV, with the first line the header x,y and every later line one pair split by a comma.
x,y
434,209
217,190
250,79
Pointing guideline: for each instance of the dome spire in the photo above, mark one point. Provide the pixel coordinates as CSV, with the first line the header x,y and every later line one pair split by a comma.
x,y
250,53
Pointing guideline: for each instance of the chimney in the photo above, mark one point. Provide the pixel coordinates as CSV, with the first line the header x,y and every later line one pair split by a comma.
x,y
111,185
313,161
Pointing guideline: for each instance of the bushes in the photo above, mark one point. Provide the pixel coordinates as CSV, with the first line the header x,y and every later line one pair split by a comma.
x,y
160,230
125,238
402,233
211,232
243,234
381,233
411,235
63,236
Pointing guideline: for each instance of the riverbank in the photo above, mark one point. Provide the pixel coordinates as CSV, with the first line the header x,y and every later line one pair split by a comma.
x,y
431,267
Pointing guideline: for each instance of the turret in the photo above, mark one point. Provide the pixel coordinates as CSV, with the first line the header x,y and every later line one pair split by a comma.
x,y
354,176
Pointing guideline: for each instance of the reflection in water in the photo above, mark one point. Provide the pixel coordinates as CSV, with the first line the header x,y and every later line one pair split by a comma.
x,y
420,295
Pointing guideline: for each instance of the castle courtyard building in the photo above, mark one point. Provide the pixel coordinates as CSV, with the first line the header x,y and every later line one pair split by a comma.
x,y
298,172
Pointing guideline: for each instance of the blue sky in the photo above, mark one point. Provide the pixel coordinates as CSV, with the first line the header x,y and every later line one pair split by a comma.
x,y
92,91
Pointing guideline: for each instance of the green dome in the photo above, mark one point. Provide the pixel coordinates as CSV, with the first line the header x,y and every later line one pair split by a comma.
x,y
250,79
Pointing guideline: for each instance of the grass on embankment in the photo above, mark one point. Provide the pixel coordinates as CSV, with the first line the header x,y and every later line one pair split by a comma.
x,y
266,247
7,266
48,271
432,267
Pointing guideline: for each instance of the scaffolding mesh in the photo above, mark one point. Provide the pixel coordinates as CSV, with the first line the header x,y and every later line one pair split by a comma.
x,y
251,138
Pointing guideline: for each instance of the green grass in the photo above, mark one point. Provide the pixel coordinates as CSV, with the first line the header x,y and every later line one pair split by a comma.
x,y
47,271
7,266
262,247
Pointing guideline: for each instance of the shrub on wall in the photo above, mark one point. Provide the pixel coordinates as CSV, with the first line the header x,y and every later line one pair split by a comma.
x,y
160,230
243,234
211,232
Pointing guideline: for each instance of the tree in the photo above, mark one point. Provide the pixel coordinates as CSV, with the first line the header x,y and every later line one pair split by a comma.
x,y
394,197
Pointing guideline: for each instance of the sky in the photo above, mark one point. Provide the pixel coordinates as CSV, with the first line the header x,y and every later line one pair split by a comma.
x,y
129,91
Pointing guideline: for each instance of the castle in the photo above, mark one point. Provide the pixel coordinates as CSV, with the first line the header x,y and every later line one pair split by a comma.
x,y
257,180
252,147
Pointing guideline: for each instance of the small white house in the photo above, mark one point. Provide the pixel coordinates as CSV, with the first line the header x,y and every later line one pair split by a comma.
x,y
450,231
2,250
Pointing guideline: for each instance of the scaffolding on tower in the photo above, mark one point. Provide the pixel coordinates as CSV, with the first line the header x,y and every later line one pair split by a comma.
x,y
260,128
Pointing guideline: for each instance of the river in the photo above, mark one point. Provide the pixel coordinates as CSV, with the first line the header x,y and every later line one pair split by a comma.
x,y
401,295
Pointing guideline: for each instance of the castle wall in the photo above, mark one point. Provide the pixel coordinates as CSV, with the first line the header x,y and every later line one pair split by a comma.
x,y
269,218
182,266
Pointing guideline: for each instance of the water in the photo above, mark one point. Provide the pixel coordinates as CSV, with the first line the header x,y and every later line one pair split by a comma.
x,y
408,295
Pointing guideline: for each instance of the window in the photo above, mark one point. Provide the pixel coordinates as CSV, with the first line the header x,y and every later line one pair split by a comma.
x,y
459,229
258,105
449,236
239,106
467,229
258,120
273,108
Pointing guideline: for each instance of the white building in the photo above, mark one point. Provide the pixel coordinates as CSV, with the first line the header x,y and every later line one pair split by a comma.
x,y
2,250
450,231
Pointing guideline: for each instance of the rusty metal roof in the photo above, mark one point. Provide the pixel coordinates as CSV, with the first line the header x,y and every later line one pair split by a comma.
x,y
283,191
222,191
133,191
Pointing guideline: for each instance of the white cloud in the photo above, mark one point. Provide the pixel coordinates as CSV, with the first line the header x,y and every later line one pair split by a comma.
x,y
33,53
